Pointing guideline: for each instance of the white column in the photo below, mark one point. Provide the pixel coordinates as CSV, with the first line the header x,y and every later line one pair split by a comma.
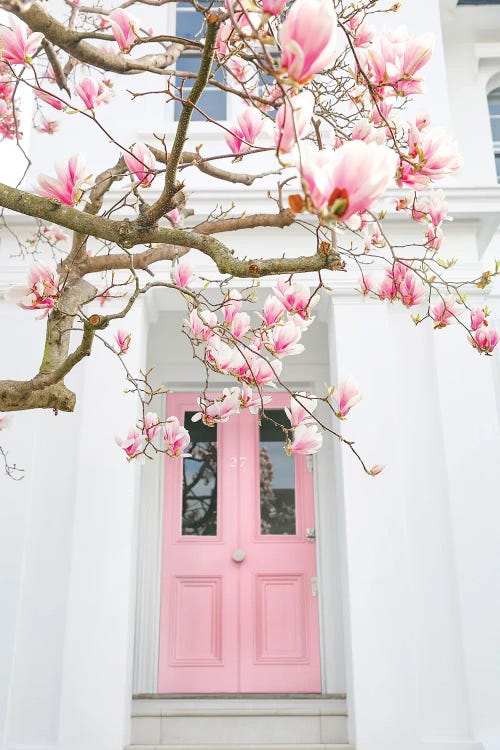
x,y
469,399
16,505
67,555
408,679
97,670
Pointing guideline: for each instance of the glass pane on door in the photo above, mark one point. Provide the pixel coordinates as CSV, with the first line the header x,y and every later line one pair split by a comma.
x,y
277,478
199,480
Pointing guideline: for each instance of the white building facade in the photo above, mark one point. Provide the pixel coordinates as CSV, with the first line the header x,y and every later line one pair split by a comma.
x,y
407,563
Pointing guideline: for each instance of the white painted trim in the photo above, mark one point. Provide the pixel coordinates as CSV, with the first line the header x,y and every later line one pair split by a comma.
x,y
147,620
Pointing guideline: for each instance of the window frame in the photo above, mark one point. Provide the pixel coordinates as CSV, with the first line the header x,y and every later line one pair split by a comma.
x,y
494,97
196,126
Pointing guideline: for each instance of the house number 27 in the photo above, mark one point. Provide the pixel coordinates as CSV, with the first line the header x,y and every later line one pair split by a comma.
x,y
237,461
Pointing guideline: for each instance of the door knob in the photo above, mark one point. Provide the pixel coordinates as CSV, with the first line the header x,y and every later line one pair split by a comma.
x,y
238,555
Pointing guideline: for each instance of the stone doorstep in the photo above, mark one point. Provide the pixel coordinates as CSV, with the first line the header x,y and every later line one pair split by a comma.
x,y
197,706
240,746
212,723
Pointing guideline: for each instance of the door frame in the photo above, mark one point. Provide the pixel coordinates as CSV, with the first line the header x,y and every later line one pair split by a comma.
x,y
149,563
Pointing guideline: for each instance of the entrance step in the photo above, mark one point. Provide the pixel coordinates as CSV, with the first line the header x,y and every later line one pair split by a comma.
x,y
264,723
267,746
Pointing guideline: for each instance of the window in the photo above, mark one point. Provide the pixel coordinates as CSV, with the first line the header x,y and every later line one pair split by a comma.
x,y
479,2
189,25
494,108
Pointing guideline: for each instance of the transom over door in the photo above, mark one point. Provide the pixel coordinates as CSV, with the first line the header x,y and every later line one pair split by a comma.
x,y
239,597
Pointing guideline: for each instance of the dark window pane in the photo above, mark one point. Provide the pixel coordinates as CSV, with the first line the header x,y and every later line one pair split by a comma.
x,y
497,164
277,478
199,485
212,103
189,24
495,128
191,64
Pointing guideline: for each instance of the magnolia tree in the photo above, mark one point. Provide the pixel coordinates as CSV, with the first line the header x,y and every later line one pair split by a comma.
x,y
323,95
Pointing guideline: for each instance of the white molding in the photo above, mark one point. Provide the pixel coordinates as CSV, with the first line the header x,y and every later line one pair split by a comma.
x,y
149,552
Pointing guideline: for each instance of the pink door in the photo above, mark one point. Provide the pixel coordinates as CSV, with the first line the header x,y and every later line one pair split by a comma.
x,y
239,607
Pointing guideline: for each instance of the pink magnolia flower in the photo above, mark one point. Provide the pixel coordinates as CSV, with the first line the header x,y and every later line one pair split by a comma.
x,y
434,237
301,406
224,35
401,283
175,217
133,445
394,59
273,7
49,127
5,421
444,312
151,425
259,371
222,357
55,233
240,324
293,120
348,180
232,305
283,340
250,122
346,396
123,339
141,163
422,120
91,92
245,21
242,70
477,318
66,187
124,28
181,272
41,291
366,285
18,44
431,207
306,440
363,130
376,469
219,409
48,98
176,438
364,34
201,325
296,298
307,39
272,312
435,152
254,402
485,339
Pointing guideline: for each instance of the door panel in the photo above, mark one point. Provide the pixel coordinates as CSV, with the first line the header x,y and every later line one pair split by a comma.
x,y
279,632
238,612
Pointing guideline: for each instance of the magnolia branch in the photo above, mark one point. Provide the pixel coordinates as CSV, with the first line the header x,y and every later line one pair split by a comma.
x,y
163,204
128,234
71,42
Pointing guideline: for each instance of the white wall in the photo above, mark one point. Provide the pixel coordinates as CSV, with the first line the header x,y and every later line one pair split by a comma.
x,y
69,561
417,567
422,538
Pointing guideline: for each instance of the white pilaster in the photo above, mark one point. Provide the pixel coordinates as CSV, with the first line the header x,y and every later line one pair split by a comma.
x,y
95,703
409,685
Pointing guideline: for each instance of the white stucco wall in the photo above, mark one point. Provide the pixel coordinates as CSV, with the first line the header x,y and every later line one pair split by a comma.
x,y
416,562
